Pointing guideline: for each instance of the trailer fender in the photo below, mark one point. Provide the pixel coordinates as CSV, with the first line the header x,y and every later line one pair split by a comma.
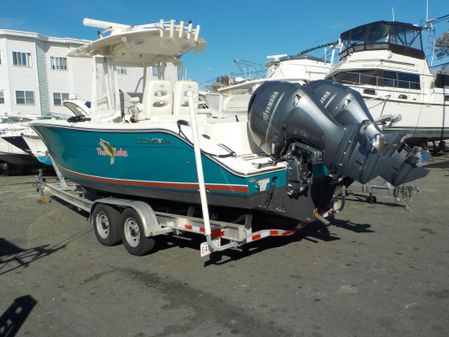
x,y
146,213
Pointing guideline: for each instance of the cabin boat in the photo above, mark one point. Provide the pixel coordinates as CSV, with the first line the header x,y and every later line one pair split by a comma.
x,y
385,62
12,153
20,145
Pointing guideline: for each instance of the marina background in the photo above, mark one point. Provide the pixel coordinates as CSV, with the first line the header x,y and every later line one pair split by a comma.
x,y
248,30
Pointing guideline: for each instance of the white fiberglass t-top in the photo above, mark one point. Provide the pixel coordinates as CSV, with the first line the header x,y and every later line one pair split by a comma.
x,y
143,45
149,47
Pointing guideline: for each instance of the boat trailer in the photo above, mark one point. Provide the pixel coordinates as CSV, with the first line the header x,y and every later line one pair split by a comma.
x,y
111,215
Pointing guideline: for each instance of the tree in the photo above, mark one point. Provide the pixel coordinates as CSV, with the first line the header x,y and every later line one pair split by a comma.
x,y
222,81
442,45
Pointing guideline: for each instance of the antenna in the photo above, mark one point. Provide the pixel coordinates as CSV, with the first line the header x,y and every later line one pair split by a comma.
x,y
251,70
392,12
427,10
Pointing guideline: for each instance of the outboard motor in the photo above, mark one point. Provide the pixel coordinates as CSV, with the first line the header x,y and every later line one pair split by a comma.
x,y
313,124
347,106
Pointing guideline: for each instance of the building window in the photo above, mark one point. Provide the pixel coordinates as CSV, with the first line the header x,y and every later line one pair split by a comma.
x,y
2,97
21,59
25,97
59,97
58,63
121,70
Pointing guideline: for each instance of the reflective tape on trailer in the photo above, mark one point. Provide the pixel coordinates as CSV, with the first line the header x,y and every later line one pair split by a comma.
x,y
275,232
215,232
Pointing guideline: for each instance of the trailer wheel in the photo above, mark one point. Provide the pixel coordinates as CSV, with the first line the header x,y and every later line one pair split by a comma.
x,y
106,223
133,234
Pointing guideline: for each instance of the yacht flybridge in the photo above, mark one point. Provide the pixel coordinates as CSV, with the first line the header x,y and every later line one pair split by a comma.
x,y
299,68
289,157
385,62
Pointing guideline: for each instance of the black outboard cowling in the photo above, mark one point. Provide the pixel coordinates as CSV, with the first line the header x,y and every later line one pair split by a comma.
x,y
348,107
328,123
282,112
343,103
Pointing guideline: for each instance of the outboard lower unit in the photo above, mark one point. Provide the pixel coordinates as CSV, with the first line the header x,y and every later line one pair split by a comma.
x,y
327,127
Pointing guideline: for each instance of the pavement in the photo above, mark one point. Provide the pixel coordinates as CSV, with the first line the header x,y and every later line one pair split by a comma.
x,y
378,271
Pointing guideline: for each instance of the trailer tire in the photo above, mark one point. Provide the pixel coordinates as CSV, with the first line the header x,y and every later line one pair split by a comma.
x,y
133,234
106,223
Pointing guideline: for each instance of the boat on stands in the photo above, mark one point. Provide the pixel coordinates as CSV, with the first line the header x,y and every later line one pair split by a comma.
x,y
14,121
10,153
289,155
385,62
25,147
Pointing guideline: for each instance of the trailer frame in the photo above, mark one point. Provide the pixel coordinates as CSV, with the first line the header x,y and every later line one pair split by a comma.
x,y
158,223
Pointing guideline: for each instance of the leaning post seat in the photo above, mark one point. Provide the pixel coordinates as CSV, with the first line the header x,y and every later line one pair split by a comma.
x,y
157,98
180,100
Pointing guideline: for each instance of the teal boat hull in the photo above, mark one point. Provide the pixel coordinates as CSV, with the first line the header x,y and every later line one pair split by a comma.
x,y
160,164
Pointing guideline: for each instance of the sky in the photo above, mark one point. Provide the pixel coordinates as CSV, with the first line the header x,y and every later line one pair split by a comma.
x,y
247,30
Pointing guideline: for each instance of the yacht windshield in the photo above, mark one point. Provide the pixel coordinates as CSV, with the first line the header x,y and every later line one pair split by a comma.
x,y
401,38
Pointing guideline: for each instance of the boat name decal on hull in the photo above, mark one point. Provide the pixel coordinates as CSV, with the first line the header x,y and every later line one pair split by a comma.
x,y
107,150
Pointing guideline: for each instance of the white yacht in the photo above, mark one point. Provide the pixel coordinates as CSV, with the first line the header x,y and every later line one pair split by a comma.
x,y
292,68
385,62
300,69
21,146
12,153
14,122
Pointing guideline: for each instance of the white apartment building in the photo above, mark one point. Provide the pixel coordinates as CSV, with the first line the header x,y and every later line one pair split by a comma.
x,y
36,74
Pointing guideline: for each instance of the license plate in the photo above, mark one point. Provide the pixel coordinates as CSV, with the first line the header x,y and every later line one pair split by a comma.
x,y
204,247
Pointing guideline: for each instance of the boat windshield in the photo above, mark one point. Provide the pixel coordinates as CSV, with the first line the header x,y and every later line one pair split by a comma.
x,y
17,119
401,38
54,115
